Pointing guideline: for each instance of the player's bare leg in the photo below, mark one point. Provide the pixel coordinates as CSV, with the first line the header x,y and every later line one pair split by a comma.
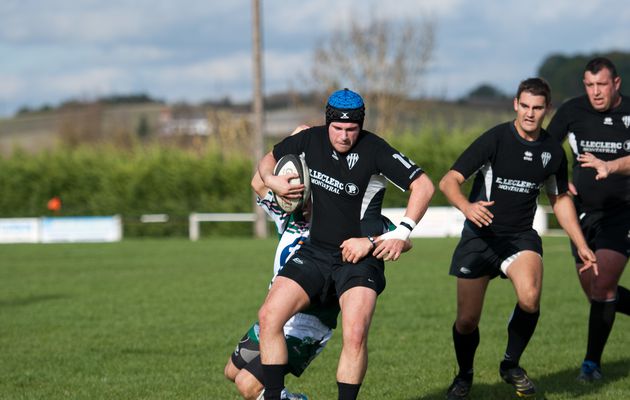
x,y
601,290
285,298
470,297
357,307
526,273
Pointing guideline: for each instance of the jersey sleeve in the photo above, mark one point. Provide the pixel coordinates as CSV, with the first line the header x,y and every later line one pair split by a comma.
x,y
396,167
476,155
558,182
294,144
559,126
273,210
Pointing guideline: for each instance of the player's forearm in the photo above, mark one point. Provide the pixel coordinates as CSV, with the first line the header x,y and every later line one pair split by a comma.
x,y
258,185
566,215
619,166
421,192
451,188
265,167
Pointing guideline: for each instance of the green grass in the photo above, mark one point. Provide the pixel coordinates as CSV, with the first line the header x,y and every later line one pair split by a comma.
x,y
157,319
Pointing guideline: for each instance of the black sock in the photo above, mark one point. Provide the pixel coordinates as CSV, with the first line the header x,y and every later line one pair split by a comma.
x,y
348,391
273,376
623,300
600,323
465,347
520,329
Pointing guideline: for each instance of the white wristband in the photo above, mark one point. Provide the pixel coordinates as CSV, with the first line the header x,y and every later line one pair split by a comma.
x,y
401,233
408,223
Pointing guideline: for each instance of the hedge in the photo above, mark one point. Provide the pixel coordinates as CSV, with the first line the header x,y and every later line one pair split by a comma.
x,y
105,180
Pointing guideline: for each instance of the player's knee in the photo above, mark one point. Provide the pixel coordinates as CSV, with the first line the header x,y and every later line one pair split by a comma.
x,y
248,387
603,289
355,337
466,324
603,294
267,319
230,371
529,303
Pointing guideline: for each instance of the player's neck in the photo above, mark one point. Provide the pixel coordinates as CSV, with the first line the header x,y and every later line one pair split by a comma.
x,y
528,136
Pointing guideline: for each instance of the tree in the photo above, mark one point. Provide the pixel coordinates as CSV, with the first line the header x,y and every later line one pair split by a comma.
x,y
486,91
381,60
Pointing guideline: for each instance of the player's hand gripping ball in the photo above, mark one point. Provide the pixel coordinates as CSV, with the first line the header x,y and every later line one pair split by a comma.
x,y
291,164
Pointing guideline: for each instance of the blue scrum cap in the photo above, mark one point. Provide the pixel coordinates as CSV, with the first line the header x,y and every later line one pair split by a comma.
x,y
345,106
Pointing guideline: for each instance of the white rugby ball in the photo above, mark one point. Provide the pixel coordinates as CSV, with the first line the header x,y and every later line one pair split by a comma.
x,y
291,164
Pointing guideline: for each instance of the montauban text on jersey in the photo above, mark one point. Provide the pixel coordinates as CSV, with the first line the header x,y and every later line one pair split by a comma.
x,y
600,147
325,181
515,185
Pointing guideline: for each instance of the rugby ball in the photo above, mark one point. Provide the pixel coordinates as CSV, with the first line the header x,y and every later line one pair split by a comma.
x,y
291,164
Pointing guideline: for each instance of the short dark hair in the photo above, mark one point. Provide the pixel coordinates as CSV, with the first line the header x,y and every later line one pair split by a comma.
x,y
599,63
535,86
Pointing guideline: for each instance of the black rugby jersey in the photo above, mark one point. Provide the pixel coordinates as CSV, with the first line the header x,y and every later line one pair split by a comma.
x,y
604,134
510,172
342,185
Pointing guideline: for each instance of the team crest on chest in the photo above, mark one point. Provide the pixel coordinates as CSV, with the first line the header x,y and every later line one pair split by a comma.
x,y
546,156
352,159
626,121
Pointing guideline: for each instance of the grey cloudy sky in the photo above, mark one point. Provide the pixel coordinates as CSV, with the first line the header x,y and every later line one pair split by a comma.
x,y
192,50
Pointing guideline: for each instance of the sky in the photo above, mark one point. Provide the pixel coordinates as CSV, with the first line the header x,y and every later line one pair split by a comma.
x,y
195,50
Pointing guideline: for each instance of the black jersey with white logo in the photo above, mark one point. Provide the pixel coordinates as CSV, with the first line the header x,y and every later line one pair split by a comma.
x,y
510,172
604,134
342,185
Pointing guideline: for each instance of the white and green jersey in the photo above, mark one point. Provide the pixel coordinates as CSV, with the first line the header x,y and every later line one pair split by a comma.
x,y
293,232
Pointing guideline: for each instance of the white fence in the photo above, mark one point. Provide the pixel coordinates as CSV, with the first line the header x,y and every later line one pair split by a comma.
x,y
61,229
437,222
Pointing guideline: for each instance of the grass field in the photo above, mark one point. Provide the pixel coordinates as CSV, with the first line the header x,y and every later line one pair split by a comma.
x,y
157,319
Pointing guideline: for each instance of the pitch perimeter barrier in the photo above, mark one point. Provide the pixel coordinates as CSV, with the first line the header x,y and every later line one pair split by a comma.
x,y
61,229
437,222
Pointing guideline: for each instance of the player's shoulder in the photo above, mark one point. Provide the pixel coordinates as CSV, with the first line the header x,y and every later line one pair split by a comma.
x,y
497,132
624,107
370,143
550,141
573,104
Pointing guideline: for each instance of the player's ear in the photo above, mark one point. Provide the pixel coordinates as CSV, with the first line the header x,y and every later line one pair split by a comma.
x,y
516,104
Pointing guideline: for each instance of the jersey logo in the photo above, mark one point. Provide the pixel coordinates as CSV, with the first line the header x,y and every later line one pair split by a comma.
x,y
352,189
527,156
608,121
335,156
352,159
546,156
626,146
626,121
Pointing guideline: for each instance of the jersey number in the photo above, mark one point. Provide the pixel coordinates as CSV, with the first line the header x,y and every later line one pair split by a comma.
x,y
403,161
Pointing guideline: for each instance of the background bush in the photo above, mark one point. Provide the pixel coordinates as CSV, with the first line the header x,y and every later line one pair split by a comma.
x,y
105,180
108,181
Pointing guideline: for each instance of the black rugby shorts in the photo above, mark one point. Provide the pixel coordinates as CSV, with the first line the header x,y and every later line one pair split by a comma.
x,y
324,277
476,256
605,230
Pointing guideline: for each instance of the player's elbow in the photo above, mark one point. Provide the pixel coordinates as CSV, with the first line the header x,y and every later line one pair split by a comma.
x,y
445,182
423,185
